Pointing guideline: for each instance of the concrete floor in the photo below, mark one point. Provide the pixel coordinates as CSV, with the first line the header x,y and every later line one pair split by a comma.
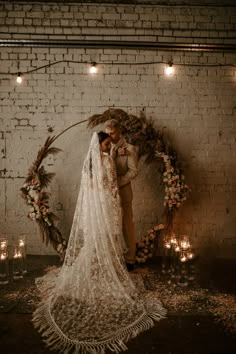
x,y
179,333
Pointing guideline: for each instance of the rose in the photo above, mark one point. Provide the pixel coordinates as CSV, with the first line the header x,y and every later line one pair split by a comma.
x,y
43,208
34,181
121,151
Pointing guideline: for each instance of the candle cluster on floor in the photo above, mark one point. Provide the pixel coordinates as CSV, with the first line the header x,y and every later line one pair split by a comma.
x,y
178,259
12,260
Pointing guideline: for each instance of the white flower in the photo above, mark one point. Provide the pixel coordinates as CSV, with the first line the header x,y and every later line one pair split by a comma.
x,y
36,197
31,210
32,216
32,193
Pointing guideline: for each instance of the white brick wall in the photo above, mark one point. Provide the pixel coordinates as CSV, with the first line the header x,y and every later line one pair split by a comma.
x,y
196,109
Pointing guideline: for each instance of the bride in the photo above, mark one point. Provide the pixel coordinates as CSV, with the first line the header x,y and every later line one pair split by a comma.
x,y
93,304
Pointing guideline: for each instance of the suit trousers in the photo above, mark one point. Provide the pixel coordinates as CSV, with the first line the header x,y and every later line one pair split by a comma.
x,y
126,196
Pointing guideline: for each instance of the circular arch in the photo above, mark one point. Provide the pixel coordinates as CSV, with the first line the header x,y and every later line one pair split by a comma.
x,y
151,144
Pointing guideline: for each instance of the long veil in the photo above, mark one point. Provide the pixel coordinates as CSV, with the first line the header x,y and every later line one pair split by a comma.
x,y
94,305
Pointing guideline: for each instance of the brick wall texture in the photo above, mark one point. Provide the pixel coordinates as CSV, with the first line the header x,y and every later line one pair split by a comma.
x,y
196,108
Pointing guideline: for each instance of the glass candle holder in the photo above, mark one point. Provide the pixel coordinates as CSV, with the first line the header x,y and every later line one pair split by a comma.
x,y
22,250
4,267
17,263
3,244
184,243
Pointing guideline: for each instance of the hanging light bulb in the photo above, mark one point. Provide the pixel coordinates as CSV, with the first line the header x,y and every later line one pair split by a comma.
x,y
169,70
19,78
93,68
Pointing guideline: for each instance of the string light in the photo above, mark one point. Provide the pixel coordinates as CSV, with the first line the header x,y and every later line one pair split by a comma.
x,y
93,69
19,78
169,70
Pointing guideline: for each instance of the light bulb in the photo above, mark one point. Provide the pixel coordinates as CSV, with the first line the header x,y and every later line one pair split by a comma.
x,y
169,70
19,78
93,68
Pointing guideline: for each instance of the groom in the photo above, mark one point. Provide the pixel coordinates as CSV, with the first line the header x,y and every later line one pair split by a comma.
x,y
126,161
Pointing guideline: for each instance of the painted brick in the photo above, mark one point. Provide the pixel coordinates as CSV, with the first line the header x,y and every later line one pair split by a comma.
x,y
195,107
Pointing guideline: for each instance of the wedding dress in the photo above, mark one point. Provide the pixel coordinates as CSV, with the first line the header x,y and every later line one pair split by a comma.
x,y
93,305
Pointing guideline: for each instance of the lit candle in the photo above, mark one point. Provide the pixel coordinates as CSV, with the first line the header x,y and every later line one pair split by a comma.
x,y
17,255
167,245
185,243
3,245
190,255
177,249
3,256
173,241
21,243
183,258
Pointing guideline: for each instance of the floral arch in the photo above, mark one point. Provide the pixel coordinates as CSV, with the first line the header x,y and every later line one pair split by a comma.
x,y
151,144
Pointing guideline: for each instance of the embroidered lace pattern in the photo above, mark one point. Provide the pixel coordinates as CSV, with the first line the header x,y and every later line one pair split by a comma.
x,y
92,303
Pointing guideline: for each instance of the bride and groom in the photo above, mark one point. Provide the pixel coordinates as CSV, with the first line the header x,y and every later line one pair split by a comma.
x,y
93,304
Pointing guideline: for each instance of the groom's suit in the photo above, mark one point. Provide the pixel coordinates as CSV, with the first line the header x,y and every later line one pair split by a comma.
x,y
126,161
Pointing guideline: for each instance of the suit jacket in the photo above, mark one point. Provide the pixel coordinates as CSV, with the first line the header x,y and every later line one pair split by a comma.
x,y
126,161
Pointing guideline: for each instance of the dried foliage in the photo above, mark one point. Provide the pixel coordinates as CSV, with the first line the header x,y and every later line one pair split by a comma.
x,y
37,199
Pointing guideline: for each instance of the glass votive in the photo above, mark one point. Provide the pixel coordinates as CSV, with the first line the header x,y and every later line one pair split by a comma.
x,y
3,244
4,267
17,263
22,249
184,242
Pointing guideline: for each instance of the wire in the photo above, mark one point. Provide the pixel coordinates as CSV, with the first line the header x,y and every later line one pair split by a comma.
x,y
117,64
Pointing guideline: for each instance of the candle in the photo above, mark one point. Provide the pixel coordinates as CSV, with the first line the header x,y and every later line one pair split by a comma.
x,y
190,255
3,256
17,255
21,243
183,258
3,245
167,245
173,241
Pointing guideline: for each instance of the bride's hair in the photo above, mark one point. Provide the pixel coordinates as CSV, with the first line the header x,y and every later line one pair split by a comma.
x,y
102,136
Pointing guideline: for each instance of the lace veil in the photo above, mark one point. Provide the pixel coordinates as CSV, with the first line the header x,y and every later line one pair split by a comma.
x,y
93,305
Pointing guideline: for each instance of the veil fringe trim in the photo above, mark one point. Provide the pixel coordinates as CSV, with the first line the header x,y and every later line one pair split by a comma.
x,y
56,340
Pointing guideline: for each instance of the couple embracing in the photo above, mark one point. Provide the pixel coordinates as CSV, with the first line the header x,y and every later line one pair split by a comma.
x,y
94,304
